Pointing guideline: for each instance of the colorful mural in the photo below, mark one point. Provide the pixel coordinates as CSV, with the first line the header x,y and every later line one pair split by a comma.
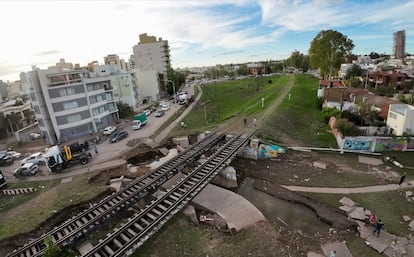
x,y
390,144
270,151
357,144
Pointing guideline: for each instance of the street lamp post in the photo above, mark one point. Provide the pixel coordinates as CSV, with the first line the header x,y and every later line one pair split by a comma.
x,y
168,80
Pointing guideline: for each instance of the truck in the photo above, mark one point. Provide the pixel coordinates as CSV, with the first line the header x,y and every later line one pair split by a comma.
x,y
139,120
60,158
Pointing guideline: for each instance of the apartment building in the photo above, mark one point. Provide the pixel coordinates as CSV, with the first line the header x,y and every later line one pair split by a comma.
x,y
399,44
68,103
114,59
151,56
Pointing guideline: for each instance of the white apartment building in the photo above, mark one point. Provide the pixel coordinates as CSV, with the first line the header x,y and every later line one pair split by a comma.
x,y
69,104
401,119
151,56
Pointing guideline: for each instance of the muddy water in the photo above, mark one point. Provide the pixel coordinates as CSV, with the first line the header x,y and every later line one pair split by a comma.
x,y
290,215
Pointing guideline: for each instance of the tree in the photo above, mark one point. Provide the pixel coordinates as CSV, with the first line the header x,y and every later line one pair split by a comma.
x,y
353,71
346,127
242,70
124,110
328,112
328,51
177,77
298,60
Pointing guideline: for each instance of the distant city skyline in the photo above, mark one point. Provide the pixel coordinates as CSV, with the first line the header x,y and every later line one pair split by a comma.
x,y
200,33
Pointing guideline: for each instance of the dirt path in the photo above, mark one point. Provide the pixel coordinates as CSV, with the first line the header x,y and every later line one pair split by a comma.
x,y
236,125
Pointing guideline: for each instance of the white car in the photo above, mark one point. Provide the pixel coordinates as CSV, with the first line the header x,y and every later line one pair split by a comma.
x,y
37,158
164,106
14,154
109,130
147,112
28,169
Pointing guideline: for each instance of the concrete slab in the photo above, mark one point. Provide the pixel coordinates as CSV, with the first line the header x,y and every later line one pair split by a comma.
x,y
365,230
346,208
357,213
346,201
319,165
172,153
66,180
164,151
369,160
408,194
382,242
313,254
340,248
406,218
227,205
411,225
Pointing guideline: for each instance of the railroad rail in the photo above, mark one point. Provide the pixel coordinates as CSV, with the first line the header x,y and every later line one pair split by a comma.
x,y
127,238
90,219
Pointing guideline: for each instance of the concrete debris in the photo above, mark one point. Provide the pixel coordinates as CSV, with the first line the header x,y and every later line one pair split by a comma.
x,y
406,218
411,225
408,194
346,201
357,214
319,165
346,208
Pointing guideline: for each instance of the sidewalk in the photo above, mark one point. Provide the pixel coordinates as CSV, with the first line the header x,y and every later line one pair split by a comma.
x,y
351,190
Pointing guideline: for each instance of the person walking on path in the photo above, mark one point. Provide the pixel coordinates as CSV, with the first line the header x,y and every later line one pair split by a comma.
x,y
245,122
402,178
333,254
95,148
378,227
254,121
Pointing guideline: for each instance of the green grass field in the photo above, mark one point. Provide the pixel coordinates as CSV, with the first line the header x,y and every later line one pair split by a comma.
x,y
299,118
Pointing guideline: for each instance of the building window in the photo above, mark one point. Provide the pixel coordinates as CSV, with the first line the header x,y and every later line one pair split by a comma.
x,y
67,91
74,118
393,115
70,105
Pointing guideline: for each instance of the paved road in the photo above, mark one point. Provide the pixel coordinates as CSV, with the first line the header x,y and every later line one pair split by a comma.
x,y
108,151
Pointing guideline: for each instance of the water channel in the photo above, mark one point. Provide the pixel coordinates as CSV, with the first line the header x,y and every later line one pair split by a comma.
x,y
293,216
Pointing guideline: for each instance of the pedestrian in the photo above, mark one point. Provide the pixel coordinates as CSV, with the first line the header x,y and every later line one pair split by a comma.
x,y
95,148
372,219
378,227
333,253
401,179
245,122
254,121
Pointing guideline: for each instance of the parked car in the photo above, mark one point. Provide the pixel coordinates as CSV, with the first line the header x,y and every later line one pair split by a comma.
x,y
118,136
147,112
28,169
3,181
35,135
36,158
15,155
109,130
159,113
165,106
5,159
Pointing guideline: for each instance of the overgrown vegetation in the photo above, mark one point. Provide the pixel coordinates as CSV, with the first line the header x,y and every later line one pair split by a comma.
x,y
299,117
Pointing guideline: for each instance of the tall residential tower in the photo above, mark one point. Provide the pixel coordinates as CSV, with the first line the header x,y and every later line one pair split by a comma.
x,y
399,44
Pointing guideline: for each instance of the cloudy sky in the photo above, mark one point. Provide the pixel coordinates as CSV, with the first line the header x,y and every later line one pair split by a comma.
x,y
200,32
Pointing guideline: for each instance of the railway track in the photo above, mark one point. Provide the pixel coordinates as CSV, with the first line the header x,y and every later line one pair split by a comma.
x,y
127,238
90,219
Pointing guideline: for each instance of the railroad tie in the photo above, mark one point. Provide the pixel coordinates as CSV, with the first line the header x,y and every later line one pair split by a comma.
x,y
18,191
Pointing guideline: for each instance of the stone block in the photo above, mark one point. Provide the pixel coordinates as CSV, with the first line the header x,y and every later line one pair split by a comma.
x,y
406,218
408,194
357,213
346,208
411,225
346,201
319,165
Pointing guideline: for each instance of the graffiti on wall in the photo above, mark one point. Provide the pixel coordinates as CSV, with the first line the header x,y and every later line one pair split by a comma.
x,y
270,151
390,144
357,144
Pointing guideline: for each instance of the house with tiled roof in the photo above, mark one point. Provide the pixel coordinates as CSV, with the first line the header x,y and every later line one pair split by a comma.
x,y
397,80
